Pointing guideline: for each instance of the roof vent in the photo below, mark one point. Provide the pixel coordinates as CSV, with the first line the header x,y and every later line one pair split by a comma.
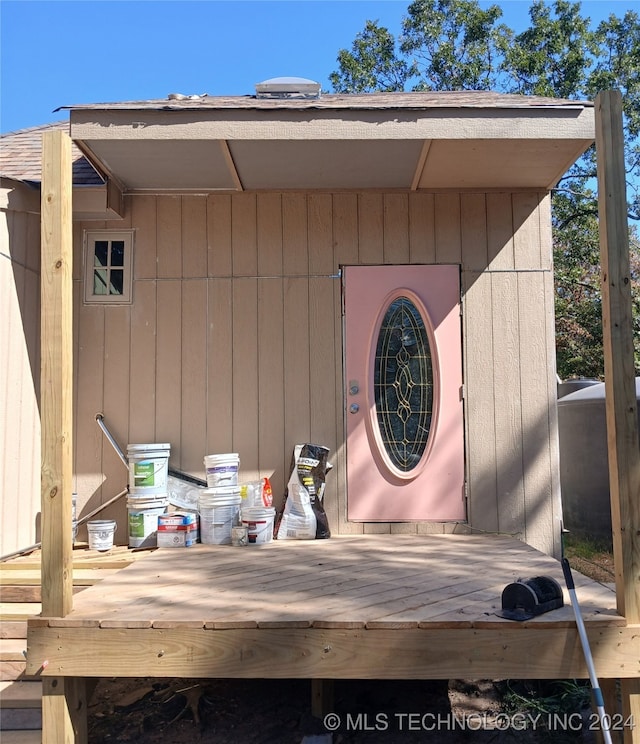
x,y
288,87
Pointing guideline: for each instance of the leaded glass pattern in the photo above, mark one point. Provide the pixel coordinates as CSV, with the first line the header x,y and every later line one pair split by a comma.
x,y
403,384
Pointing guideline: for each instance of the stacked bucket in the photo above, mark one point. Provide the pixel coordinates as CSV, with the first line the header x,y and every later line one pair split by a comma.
x,y
219,503
148,491
226,504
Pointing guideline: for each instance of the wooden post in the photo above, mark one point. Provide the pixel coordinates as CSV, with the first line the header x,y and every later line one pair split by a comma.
x,y
622,416
56,374
621,405
322,697
61,721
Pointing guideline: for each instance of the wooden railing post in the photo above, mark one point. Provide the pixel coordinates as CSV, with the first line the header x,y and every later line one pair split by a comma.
x,y
621,404
61,721
622,415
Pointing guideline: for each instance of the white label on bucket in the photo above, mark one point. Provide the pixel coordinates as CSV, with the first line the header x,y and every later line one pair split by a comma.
x,y
101,535
259,530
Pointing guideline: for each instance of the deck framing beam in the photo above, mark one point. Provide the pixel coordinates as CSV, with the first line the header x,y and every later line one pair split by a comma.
x,y
330,653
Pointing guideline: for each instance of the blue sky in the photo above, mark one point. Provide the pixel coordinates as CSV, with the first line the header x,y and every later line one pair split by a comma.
x,y
87,51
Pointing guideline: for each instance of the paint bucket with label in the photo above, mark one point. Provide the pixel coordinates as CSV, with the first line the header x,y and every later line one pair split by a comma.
x,y
219,510
143,516
101,532
259,523
148,469
222,470
177,529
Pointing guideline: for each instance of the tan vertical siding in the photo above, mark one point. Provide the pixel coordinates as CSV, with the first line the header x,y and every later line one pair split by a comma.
x,y
447,229
219,235
500,232
271,390
295,255
143,364
422,239
345,237
219,403
479,403
507,395
243,235
541,519
246,406
19,380
370,229
194,237
345,228
473,226
396,229
170,350
144,217
235,338
297,363
116,397
526,228
168,253
89,445
193,419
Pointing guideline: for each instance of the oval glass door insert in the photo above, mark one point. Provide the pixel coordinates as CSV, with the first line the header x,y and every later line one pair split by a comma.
x,y
403,384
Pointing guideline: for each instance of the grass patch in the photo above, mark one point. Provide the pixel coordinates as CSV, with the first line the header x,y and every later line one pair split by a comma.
x,y
548,697
590,556
588,548
548,703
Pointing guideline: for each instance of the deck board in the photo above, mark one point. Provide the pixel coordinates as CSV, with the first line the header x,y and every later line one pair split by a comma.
x,y
348,581
356,606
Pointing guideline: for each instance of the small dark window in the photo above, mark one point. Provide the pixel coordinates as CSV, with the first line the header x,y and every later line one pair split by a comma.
x,y
108,266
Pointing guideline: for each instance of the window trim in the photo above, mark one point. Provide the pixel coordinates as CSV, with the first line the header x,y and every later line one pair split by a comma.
x,y
90,237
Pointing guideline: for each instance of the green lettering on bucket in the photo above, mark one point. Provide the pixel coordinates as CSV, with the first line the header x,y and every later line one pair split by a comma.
x,y
144,474
136,525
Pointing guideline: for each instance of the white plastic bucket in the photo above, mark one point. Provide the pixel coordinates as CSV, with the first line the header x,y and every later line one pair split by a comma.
x,y
148,469
101,532
143,520
222,470
259,522
219,509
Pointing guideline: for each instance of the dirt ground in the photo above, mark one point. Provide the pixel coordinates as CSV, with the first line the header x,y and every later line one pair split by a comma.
x,y
150,711
198,711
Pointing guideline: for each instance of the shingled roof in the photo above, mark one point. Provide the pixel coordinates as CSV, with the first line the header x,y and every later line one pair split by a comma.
x,y
21,156
422,100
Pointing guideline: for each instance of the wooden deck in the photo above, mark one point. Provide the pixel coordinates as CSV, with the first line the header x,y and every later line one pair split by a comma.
x,y
379,606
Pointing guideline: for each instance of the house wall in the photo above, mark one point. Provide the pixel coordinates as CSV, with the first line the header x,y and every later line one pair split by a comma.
x,y
19,366
233,342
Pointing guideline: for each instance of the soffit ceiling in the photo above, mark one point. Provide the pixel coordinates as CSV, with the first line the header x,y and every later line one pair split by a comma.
x,y
488,143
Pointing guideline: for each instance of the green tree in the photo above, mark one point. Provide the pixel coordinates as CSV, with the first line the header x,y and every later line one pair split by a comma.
x,y
372,63
452,44
457,45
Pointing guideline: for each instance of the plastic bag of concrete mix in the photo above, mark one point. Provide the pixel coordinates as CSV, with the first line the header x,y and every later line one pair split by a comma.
x,y
303,516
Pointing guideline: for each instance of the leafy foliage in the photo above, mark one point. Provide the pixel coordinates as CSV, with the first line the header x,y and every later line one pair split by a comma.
x,y
452,43
457,45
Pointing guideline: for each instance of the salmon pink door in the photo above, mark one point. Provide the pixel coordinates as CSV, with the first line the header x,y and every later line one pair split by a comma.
x,y
404,414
